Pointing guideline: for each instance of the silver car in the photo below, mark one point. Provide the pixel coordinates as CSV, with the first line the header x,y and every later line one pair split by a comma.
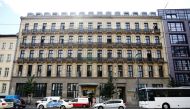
x,y
110,104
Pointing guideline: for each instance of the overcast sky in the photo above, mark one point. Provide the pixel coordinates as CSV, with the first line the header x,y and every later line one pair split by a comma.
x,y
11,10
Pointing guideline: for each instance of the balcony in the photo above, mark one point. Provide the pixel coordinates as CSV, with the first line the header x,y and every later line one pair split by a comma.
x,y
89,59
91,45
91,31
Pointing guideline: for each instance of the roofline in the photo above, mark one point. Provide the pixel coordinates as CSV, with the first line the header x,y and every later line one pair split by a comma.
x,y
8,35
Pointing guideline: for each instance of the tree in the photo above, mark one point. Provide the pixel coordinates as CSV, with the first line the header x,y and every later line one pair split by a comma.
x,y
172,82
108,90
29,87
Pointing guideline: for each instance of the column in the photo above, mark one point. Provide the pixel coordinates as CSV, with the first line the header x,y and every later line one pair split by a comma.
x,y
84,70
115,70
104,70
44,70
135,70
25,70
34,69
155,70
74,70
54,70
145,70
125,70
165,70
64,69
94,70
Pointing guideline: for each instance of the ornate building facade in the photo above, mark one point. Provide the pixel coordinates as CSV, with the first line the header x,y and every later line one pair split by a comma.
x,y
73,55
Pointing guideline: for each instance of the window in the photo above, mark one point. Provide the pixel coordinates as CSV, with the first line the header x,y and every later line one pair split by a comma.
x,y
60,53
90,26
72,90
89,39
35,27
33,39
127,26
79,70
19,89
29,70
22,53
24,40
181,65
80,39
50,55
157,40
147,39
20,68
39,70
149,55
110,70
26,27
99,40
146,26
150,71
118,25
6,72
79,54
68,71
99,54
70,39
69,53
62,26
31,54
53,27
130,70
137,26
59,70
183,78
52,38
138,39
109,25
0,71
41,53
99,25
89,54
89,70
56,89
180,51
119,53
109,54
159,54
129,54
139,54
80,26
11,46
120,71
160,70
178,39
4,86
109,39
142,85
8,57
157,85
61,39
44,27
40,90
48,70
42,39
99,69
118,39
140,71
71,26
1,57
176,26
171,16
3,46
128,39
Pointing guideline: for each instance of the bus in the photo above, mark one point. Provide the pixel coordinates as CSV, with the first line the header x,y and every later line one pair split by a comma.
x,y
165,98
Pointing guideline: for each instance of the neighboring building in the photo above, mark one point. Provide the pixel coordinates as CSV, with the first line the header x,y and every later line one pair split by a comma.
x,y
176,24
7,52
73,55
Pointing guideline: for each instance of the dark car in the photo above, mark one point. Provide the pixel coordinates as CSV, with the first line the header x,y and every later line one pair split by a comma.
x,y
17,102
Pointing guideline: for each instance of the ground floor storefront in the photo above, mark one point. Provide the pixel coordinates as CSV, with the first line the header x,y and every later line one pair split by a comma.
x,y
81,87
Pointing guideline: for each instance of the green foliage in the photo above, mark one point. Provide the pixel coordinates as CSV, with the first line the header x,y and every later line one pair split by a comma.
x,y
108,90
29,87
172,82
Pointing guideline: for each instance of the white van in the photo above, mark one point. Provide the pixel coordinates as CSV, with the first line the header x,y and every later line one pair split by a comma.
x,y
80,102
47,99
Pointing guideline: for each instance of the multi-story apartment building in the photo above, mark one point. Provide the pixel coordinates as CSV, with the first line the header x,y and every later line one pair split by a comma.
x,y
176,24
7,53
72,55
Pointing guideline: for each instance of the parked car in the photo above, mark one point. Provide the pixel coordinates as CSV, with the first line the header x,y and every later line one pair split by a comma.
x,y
3,103
65,104
45,100
17,102
80,102
110,104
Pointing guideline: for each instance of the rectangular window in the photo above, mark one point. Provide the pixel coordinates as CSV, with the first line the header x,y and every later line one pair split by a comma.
x,y
140,71
130,70
159,54
41,53
120,71
11,46
109,25
0,71
29,70
183,78
150,71
147,39
70,39
110,70
99,25
129,54
4,87
176,26
180,51
50,55
109,39
146,26
90,26
35,27
53,27
39,70
56,89
22,53
69,70
8,57
79,54
48,70
33,39
109,54
3,46
52,39
24,40
6,72
60,53
80,25
62,26
118,25
79,70
20,68
149,55
59,70
182,65
160,70
80,39
157,85
99,40
157,39
178,39
72,90
118,39
119,53
99,54
89,54
89,39
137,27
69,54
138,39
171,16
99,69
139,54
61,39
31,54
71,26
127,26
44,27
42,39
89,70
128,39
40,90
26,27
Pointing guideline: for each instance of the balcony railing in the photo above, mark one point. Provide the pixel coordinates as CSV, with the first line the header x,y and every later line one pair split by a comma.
x,y
90,45
91,31
89,59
